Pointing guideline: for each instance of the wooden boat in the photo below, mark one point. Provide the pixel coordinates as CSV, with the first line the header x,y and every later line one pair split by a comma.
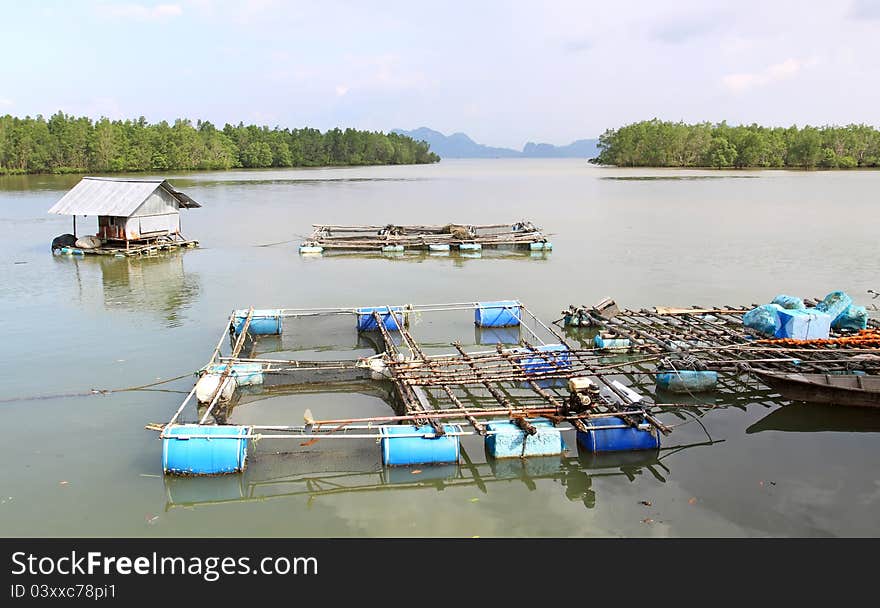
x,y
838,389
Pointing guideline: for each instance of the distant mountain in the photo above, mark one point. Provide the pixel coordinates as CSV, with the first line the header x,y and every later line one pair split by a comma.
x,y
459,145
582,148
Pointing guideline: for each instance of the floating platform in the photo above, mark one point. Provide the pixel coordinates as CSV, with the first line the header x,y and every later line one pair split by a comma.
x,y
133,250
520,395
435,238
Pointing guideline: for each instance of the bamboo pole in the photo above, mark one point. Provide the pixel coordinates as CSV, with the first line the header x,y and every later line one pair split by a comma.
x,y
224,377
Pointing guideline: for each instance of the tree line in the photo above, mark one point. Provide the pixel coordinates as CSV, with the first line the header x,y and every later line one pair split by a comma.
x,y
656,143
69,144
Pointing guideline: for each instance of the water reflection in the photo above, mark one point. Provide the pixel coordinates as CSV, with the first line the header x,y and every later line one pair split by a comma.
x,y
582,336
817,417
265,479
456,258
674,178
158,284
497,335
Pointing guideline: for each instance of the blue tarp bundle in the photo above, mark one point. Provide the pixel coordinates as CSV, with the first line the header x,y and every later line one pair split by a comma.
x,y
854,317
790,302
834,304
787,317
764,319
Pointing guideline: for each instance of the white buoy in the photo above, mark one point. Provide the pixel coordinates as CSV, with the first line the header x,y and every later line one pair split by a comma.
x,y
378,370
207,386
633,396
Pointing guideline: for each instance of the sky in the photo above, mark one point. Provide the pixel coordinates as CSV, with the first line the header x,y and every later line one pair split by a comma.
x,y
503,72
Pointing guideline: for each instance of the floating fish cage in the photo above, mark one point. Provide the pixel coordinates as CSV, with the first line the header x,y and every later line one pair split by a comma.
x,y
469,238
515,396
525,388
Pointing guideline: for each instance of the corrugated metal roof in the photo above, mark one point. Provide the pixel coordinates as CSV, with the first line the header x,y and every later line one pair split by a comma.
x,y
109,196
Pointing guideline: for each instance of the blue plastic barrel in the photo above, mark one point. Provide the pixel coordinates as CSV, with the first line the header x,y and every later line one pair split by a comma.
x,y
506,440
537,364
599,439
601,342
366,321
265,322
194,449
505,313
245,374
687,381
402,451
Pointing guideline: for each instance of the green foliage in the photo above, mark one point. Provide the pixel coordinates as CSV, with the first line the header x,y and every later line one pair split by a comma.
x,y
655,143
68,144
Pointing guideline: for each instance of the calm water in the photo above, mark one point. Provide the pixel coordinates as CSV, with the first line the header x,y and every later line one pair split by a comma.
x,y
85,466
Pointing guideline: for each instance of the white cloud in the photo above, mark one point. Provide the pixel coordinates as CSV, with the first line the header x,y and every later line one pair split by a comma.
x,y
779,71
865,9
5,102
341,90
141,12
252,10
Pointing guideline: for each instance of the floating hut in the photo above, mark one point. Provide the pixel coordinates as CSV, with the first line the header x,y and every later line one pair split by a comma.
x,y
398,238
135,216
521,398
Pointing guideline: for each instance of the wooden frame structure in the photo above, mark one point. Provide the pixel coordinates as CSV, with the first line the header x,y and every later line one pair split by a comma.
x,y
423,237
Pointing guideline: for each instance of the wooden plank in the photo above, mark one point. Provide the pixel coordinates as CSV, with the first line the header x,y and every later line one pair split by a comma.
x,y
665,310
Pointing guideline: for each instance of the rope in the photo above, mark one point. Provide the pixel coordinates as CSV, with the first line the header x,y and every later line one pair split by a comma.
x,y
94,391
298,237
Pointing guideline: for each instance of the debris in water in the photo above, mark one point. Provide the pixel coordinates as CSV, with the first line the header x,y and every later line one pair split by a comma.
x,y
647,520
415,471
647,503
63,483
152,519
692,500
150,475
475,500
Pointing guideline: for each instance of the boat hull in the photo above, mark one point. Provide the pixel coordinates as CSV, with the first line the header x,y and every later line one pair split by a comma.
x,y
849,390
